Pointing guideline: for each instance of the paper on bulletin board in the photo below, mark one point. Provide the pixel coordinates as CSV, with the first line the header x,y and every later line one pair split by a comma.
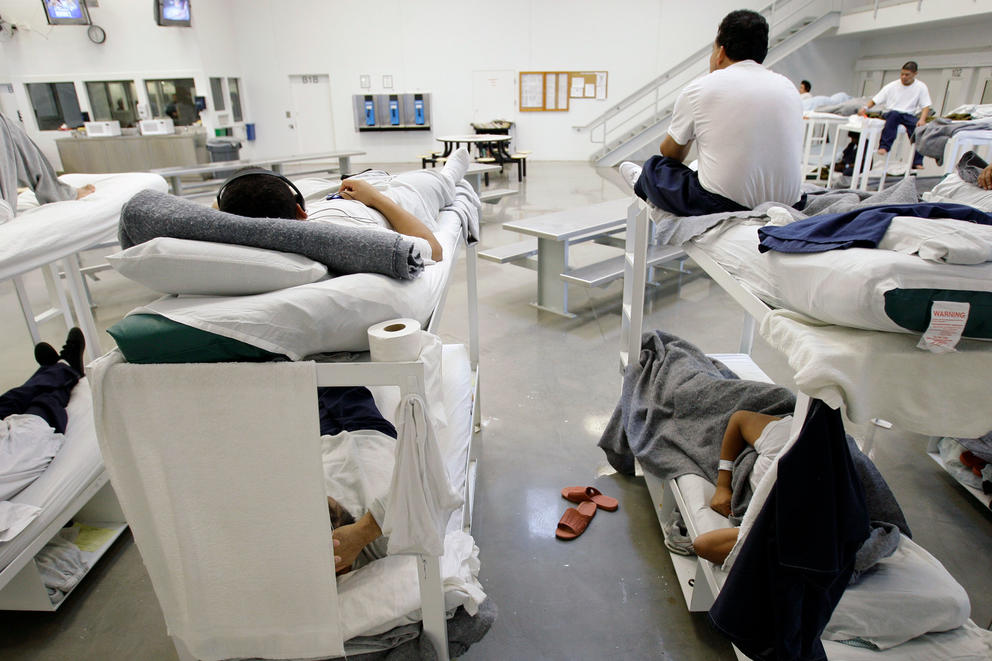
x,y
550,95
601,85
531,90
563,91
577,90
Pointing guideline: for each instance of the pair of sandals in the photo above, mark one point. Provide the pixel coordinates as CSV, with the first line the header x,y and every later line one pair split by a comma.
x,y
575,520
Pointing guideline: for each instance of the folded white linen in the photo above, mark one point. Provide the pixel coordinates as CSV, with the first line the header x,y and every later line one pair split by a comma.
x,y
883,375
386,593
15,517
60,564
217,468
939,239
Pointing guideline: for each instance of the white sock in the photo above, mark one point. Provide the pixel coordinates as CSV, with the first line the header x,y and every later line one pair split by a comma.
x,y
456,165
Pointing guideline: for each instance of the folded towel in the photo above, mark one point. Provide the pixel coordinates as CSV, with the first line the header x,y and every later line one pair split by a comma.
x,y
342,249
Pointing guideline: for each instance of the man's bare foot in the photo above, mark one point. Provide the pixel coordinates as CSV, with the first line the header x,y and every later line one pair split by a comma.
x,y
883,151
918,167
83,191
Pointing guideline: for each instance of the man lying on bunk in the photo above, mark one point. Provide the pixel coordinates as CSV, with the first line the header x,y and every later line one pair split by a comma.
x,y
23,163
768,434
407,203
33,416
747,124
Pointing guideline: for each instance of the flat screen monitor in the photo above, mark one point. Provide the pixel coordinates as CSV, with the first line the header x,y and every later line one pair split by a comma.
x,y
173,13
66,12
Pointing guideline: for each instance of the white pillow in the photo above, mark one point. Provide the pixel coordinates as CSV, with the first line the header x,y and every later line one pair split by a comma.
x,y
952,189
181,266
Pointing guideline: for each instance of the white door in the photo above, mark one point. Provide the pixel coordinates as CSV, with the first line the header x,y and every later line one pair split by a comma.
x,y
494,95
311,117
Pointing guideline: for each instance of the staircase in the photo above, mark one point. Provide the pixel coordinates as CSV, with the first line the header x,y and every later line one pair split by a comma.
x,y
639,121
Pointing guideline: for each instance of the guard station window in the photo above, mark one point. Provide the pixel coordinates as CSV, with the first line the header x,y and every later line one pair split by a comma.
x,y
173,98
114,99
234,84
55,104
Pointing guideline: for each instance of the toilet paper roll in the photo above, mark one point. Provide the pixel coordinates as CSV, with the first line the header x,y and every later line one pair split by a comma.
x,y
395,340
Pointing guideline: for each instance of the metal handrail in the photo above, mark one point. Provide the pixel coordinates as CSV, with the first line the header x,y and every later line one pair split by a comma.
x,y
659,103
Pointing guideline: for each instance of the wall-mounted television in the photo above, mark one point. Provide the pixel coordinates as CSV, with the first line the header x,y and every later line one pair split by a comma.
x,y
66,12
175,13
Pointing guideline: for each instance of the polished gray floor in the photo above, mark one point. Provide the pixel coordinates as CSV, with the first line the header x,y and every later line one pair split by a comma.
x,y
548,386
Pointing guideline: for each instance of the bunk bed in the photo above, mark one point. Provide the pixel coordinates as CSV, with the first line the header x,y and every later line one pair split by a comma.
x,y
819,354
280,481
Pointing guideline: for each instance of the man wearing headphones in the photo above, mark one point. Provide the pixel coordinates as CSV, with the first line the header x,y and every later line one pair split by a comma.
x,y
407,203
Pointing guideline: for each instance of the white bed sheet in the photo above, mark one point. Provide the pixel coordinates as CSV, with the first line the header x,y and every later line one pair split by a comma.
x,y
52,231
75,466
322,317
843,287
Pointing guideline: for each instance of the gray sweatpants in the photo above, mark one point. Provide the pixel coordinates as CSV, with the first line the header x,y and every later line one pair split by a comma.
x,y
22,163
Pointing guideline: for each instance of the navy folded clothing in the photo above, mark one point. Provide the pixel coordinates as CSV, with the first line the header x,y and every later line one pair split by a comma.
x,y
342,249
860,228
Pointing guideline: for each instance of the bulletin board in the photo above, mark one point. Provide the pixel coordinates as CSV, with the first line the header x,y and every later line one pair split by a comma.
x,y
587,84
552,90
544,91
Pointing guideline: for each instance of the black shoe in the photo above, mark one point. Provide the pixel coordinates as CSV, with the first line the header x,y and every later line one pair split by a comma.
x,y
72,350
45,354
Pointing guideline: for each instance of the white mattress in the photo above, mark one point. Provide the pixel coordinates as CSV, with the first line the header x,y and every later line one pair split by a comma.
x,y
322,317
75,466
842,287
454,438
41,235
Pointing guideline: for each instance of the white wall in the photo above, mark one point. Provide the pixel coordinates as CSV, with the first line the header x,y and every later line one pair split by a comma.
x,y
828,63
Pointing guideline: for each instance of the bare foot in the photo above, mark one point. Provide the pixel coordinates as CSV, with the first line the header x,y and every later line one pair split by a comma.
x,y
883,151
917,167
83,191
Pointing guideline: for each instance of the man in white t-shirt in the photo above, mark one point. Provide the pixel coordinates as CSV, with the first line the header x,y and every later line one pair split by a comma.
x,y
747,125
805,89
907,102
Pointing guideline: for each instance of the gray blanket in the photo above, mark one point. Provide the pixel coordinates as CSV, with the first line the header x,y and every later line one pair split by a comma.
x,y
849,107
343,250
675,230
675,406
932,138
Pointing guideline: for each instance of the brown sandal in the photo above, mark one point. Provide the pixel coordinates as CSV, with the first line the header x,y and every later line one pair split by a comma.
x,y
590,494
575,520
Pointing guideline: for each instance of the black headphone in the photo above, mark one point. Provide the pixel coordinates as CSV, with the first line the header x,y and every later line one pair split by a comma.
x,y
253,171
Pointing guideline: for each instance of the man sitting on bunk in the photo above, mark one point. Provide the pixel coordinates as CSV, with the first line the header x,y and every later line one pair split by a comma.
x,y
22,162
747,125
407,203
907,102
33,416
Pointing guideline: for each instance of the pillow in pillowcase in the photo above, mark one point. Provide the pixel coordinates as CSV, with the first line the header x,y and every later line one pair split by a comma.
x,y
182,266
953,189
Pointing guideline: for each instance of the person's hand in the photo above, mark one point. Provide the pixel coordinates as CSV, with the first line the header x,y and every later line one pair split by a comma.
x,y
921,122
721,501
863,111
985,178
359,190
337,558
348,543
83,191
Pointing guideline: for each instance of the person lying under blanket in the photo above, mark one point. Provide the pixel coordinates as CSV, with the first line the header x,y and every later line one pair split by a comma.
x,y
407,203
33,416
22,162
767,435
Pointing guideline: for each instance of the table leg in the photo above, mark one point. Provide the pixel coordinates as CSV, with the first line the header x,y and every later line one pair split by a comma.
x,y
84,316
552,291
475,179
177,184
344,165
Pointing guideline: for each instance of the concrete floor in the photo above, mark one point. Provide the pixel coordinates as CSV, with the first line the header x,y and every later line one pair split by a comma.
x,y
549,385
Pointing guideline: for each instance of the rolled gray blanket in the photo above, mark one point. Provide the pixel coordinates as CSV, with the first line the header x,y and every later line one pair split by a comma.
x,y
343,250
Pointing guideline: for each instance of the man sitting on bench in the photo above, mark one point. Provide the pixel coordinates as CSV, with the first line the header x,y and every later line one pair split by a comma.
x,y
747,124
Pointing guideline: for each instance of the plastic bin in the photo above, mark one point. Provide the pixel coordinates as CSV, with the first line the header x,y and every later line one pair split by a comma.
x,y
221,149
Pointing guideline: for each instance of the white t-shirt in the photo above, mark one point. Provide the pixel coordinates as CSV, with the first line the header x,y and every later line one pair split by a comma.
x,y
353,213
910,98
768,444
748,125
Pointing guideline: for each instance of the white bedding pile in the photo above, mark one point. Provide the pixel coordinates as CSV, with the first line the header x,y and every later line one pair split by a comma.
x,y
322,317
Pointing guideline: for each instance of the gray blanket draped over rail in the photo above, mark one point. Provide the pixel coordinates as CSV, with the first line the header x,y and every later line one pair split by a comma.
x,y
674,409
342,249
675,406
932,137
